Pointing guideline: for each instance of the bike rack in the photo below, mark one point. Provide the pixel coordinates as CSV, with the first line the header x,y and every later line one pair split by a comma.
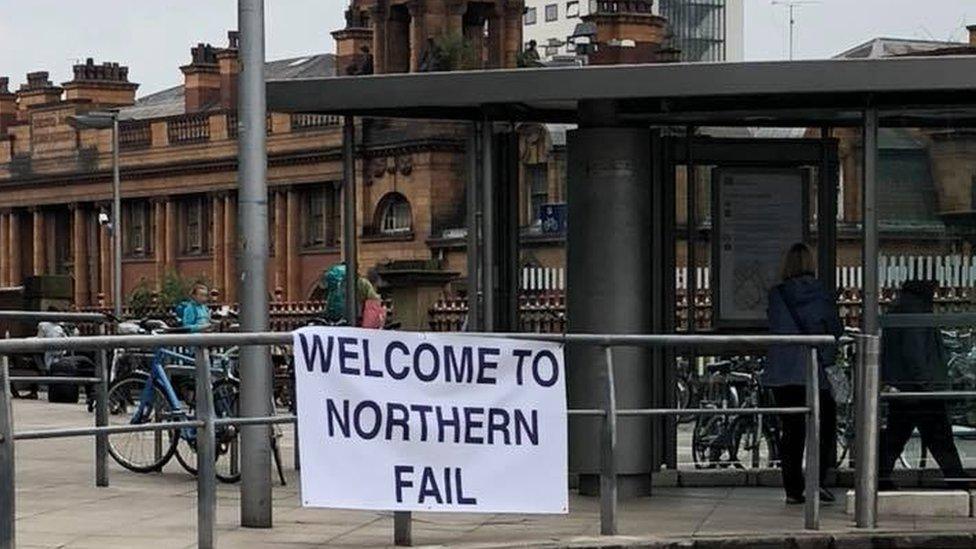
x,y
206,421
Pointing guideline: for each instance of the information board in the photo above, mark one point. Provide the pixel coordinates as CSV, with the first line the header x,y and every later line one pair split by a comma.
x,y
427,422
759,213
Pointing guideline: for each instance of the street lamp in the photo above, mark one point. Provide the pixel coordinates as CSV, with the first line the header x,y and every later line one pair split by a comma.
x,y
102,120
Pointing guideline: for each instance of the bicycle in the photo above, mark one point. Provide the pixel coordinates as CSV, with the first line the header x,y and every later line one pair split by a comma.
x,y
144,397
718,439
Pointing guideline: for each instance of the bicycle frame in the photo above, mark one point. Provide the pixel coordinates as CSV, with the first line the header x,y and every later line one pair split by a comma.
x,y
157,374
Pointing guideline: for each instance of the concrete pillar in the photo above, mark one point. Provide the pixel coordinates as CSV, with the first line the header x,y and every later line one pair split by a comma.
x,y
380,18
293,271
455,16
4,249
609,291
281,241
79,251
105,262
159,240
39,249
15,264
512,40
219,245
496,38
172,243
418,40
230,248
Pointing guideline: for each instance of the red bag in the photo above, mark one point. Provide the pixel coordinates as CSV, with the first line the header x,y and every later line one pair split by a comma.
x,y
374,314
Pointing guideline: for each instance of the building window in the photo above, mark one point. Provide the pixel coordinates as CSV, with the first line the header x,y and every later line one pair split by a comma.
x,y
321,216
530,16
137,228
572,9
394,217
552,12
195,215
538,188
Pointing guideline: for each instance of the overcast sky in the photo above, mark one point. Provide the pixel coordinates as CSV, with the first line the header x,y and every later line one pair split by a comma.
x,y
153,37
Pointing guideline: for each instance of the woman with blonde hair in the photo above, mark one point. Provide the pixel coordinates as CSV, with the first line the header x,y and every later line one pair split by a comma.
x,y
800,304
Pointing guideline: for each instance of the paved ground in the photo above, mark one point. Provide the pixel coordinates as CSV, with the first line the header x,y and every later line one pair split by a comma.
x,y
57,506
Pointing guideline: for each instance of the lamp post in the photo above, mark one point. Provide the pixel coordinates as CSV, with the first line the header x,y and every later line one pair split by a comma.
x,y
103,120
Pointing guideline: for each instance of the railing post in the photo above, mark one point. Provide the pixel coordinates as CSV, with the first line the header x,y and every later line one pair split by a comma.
x,y
7,467
812,509
402,528
866,423
101,414
206,458
608,474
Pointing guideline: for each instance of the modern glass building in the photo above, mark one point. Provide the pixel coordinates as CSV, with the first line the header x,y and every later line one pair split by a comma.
x,y
705,30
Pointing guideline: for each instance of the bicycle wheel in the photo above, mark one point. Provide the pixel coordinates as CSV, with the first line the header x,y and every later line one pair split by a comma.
x,y
711,442
143,451
227,449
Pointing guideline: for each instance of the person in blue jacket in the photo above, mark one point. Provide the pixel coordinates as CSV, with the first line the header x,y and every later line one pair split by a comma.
x,y
193,312
800,304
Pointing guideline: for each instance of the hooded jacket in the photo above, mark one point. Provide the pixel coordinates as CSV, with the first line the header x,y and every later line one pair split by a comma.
x,y
817,312
913,358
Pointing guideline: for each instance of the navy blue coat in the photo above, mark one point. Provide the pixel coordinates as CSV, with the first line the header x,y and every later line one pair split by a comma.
x,y
817,311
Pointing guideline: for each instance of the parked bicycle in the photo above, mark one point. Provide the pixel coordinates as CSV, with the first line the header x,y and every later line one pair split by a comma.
x,y
725,440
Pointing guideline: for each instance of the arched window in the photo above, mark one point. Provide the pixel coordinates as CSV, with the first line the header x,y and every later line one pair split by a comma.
x,y
394,215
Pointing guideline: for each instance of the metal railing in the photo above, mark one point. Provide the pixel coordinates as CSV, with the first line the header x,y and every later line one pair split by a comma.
x,y
206,421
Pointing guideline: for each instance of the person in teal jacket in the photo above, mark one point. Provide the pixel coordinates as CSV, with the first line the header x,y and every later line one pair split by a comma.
x,y
193,312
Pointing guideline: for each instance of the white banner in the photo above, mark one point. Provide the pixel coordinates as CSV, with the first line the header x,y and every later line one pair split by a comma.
x,y
426,422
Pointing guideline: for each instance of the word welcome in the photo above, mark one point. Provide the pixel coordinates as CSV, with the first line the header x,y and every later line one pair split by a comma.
x,y
425,361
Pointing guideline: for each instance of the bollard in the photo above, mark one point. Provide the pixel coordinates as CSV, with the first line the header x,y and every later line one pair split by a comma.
x,y
206,458
7,494
101,414
402,528
608,475
812,508
866,444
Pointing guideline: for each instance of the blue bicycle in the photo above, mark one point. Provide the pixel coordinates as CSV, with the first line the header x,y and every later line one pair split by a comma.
x,y
166,393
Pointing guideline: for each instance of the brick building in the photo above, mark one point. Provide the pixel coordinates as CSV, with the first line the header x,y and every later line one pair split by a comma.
x,y
178,165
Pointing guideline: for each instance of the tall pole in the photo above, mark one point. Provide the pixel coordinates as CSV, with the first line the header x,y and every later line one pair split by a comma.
x,y
349,217
256,381
792,23
116,220
869,214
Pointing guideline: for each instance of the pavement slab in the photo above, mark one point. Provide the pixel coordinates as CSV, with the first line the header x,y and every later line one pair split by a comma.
x,y
59,506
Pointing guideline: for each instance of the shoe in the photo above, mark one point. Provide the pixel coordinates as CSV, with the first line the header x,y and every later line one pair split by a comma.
x,y
826,496
795,500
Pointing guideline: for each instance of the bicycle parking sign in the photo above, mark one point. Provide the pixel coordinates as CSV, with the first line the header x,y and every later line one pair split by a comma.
x,y
430,422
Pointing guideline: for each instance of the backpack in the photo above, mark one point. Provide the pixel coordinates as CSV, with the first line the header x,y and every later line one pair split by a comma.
x,y
334,281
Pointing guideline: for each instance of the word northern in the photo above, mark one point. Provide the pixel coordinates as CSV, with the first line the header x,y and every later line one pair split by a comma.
x,y
394,421
424,362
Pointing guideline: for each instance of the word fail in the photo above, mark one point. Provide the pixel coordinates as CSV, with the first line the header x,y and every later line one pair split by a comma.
x,y
430,422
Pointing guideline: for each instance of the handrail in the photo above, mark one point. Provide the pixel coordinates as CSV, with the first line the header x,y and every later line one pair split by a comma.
x,y
52,316
34,345
206,421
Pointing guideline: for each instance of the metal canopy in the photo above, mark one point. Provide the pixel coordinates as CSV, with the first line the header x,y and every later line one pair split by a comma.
x,y
908,91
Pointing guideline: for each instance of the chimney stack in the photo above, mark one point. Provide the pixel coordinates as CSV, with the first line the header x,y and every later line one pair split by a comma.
x,y
627,31
8,105
104,85
201,79
37,91
353,43
972,35
228,66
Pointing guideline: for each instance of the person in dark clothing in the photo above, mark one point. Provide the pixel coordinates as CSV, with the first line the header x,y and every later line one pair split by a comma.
x,y
914,359
801,305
